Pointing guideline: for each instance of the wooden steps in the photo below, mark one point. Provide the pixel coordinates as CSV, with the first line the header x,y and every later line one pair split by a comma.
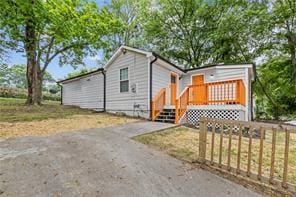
x,y
166,115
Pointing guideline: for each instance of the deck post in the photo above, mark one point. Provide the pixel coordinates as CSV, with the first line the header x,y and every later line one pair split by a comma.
x,y
202,140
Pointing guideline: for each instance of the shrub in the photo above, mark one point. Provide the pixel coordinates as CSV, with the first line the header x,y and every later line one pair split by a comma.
x,y
22,93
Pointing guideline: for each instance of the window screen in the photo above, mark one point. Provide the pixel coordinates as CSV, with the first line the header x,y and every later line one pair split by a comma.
x,y
124,82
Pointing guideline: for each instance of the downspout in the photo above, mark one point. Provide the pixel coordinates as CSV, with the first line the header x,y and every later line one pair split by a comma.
x,y
104,102
252,91
150,84
61,94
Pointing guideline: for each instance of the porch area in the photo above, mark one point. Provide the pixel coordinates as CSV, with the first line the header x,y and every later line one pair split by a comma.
x,y
224,99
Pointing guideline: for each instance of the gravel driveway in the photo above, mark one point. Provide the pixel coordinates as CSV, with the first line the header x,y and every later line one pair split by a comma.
x,y
102,162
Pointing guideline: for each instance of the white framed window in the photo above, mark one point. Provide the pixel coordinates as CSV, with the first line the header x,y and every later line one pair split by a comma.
x,y
124,82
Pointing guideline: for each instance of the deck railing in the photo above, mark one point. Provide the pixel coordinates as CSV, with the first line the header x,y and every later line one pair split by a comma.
x,y
181,104
252,150
217,93
158,103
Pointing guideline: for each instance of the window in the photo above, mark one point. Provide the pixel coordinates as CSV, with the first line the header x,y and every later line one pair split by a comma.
x,y
173,79
124,80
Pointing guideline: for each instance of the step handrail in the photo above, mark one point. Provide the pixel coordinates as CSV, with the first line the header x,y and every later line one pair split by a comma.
x,y
181,104
158,103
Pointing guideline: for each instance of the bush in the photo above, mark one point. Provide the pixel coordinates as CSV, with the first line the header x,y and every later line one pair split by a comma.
x,y
22,93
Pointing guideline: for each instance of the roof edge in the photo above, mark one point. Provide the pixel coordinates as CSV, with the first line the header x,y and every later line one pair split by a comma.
x,y
80,76
167,61
218,64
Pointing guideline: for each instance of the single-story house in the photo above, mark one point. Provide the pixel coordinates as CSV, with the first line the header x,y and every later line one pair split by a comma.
x,y
144,84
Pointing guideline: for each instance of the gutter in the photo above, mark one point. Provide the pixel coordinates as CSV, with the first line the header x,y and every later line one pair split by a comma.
x,y
61,90
82,75
104,104
61,94
150,84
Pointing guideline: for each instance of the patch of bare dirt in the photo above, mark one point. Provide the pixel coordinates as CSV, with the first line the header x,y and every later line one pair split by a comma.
x,y
53,126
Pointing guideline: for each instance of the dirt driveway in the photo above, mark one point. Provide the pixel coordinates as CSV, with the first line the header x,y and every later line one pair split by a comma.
x,y
102,162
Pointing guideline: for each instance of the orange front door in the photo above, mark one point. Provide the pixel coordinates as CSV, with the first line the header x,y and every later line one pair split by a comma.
x,y
173,88
199,90
197,80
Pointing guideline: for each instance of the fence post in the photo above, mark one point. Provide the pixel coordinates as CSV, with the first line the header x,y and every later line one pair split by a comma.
x,y
202,140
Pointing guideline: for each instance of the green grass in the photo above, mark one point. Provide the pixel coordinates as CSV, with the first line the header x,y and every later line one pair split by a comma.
x,y
183,143
15,110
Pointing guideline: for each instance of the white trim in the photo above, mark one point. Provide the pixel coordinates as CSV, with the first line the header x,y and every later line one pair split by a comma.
x,y
168,66
236,66
201,69
128,79
81,77
119,52
177,84
217,107
247,89
169,107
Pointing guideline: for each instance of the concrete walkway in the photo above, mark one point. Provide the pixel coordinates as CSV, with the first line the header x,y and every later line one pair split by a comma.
x,y
102,162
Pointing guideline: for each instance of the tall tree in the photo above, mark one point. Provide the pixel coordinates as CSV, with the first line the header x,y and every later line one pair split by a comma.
x,y
129,12
64,29
179,30
284,31
275,94
199,32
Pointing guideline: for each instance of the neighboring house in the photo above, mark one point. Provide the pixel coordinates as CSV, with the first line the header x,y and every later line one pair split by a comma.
x,y
140,83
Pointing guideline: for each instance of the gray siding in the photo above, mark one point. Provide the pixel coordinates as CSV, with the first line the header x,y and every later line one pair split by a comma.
x,y
133,104
86,92
219,75
224,74
162,79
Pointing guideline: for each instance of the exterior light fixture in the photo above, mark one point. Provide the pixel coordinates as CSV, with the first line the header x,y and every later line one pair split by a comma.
x,y
123,50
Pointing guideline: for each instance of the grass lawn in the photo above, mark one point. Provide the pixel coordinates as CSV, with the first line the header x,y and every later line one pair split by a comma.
x,y
18,119
15,110
182,143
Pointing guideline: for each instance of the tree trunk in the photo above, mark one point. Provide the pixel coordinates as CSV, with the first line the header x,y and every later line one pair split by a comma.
x,y
34,75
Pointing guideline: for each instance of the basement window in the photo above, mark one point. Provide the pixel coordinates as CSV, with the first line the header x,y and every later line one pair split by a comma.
x,y
124,82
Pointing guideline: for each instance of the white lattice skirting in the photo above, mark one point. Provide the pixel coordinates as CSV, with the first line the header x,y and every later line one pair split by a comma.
x,y
192,116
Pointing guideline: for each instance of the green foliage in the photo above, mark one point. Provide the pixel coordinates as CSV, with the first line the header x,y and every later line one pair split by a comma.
x,y
45,30
129,13
275,90
81,71
69,29
6,92
15,76
198,32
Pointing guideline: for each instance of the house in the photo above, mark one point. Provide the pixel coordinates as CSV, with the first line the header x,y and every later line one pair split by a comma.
x,y
144,84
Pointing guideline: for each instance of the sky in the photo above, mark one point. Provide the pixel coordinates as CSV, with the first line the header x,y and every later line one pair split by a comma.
x,y
54,69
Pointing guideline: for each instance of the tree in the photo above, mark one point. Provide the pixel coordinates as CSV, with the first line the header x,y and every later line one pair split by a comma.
x,y
284,31
15,76
4,78
45,30
81,71
129,12
275,93
198,32
239,35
